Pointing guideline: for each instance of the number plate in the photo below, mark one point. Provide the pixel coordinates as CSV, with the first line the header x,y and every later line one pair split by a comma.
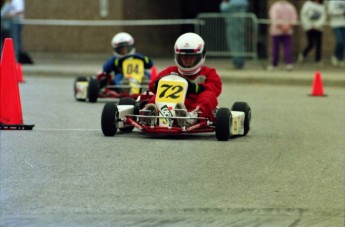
x,y
133,69
170,91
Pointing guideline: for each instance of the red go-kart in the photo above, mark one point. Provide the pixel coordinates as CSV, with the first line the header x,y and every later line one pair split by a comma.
x,y
129,114
102,86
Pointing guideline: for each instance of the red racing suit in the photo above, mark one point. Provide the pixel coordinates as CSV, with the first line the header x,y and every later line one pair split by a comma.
x,y
206,99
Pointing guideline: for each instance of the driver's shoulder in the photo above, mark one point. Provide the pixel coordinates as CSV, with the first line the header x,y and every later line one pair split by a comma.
x,y
206,69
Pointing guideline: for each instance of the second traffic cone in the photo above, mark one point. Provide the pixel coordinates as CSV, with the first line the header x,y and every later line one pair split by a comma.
x,y
19,73
317,87
10,105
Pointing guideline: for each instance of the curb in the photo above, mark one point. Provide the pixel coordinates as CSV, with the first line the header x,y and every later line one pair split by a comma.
x,y
254,72
226,78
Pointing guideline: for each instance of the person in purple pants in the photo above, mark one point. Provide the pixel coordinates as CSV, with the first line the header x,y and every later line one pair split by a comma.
x,y
283,16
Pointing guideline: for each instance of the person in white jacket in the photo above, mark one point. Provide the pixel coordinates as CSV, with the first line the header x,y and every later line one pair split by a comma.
x,y
336,12
313,17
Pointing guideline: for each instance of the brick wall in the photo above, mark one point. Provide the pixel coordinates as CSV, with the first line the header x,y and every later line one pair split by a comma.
x,y
69,38
153,40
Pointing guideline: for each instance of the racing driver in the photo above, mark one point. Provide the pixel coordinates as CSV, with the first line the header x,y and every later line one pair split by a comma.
x,y
123,46
204,83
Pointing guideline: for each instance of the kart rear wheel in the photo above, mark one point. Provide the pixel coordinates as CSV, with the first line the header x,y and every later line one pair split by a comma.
x,y
126,101
78,79
93,90
244,107
223,124
110,117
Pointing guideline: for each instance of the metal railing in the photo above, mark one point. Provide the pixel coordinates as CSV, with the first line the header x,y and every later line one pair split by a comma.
x,y
229,34
62,22
217,29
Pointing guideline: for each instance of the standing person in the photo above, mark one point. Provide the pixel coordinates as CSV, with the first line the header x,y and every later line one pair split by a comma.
x,y
313,18
283,16
336,12
12,15
204,83
235,29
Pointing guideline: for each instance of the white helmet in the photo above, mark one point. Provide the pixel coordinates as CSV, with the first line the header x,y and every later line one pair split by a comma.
x,y
190,53
123,44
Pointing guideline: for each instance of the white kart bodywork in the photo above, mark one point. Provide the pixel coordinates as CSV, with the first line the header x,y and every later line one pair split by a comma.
x,y
81,89
237,123
124,110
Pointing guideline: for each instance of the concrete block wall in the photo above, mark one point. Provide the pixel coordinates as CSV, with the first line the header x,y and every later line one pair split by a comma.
x,y
153,40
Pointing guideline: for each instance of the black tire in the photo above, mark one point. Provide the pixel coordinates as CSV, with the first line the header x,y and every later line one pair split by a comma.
x,y
136,109
126,129
223,124
244,107
109,121
78,79
126,101
93,90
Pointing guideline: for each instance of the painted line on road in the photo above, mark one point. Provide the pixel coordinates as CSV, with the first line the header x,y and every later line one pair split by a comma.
x,y
29,164
65,129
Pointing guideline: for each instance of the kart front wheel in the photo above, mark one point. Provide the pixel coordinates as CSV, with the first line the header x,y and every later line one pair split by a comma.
x,y
93,90
223,124
244,107
109,121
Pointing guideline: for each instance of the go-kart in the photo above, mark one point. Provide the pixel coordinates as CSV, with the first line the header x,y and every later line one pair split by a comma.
x,y
171,90
102,86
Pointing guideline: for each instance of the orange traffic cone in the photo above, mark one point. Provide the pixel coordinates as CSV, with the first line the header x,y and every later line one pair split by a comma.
x,y
317,87
19,73
10,105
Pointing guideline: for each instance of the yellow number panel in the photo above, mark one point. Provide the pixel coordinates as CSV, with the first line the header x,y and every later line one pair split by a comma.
x,y
171,91
133,69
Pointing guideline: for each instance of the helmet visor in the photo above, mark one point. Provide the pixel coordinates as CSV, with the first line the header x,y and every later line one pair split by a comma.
x,y
188,60
123,48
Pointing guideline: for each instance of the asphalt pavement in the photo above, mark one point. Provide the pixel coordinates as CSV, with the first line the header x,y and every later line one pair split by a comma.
x,y
80,64
288,171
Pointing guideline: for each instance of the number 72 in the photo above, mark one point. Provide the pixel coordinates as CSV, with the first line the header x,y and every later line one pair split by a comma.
x,y
174,91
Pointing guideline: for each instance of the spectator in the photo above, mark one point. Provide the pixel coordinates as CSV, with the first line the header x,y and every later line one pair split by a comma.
x,y
283,16
12,14
235,29
313,18
336,12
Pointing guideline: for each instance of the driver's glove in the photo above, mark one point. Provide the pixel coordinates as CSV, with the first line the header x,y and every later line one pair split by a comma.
x,y
194,88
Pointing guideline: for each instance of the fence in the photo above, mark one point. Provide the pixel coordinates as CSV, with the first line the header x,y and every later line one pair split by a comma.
x,y
213,27
229,34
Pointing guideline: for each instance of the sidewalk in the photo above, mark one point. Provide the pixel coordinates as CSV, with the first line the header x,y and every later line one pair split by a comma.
x,y
73,65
